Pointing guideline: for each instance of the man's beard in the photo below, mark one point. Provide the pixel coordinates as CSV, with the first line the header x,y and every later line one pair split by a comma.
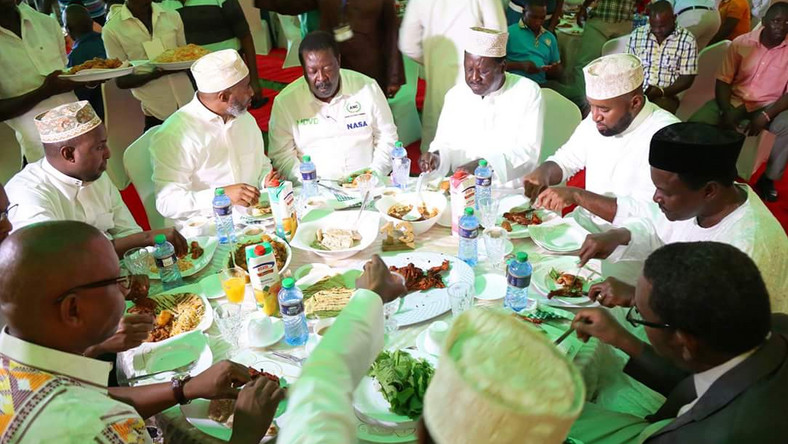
x,y
236,108
620,126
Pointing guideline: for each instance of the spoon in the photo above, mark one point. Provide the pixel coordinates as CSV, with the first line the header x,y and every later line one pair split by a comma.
x,y
364,203
414,214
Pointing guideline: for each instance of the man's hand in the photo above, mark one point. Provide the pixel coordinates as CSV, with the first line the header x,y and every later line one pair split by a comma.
x,y
132,330
255,409
175,238
469,167
653,93
582,16
602,245
612,293
530,67
54,85
377,277
242,194
534,183
392,90
757,124
557,198
429,162
551,68
218,382
599,323
728,120
272,179
139,287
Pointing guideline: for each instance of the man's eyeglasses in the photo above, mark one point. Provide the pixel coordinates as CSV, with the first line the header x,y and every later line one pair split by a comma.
x,y
4,214
635,318
124,282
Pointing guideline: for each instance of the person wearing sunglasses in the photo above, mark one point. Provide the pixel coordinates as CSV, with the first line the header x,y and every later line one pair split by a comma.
x,y
712,352
62,291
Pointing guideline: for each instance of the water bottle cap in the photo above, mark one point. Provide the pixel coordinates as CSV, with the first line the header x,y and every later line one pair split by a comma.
x,y
160,239
469,211
219,191
522,256
307,158
483,163
398,144
288,283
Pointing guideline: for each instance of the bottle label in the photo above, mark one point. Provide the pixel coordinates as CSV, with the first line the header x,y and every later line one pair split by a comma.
x,y
483,181
518,281
223,211
165,262
468,234
292,309
311,175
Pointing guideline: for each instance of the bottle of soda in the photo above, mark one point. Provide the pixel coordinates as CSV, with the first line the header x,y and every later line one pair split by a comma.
x,y
469,234
518,278
291,306
400,166
308,178
223,209
167,262
483,175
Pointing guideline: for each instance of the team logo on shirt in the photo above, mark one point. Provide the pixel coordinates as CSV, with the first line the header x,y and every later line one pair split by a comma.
x,y
548,42
353,107
310,121
356,125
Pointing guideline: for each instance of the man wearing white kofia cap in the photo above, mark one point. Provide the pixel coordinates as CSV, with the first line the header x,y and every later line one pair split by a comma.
x,y
611,144
338,117
493,115
498,380
212,142
69,183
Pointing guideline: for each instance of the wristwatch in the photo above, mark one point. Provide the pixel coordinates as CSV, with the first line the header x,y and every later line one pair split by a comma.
x,y
177,388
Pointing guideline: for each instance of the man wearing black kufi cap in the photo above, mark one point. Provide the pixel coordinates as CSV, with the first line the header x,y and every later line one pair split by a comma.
x,y
693,167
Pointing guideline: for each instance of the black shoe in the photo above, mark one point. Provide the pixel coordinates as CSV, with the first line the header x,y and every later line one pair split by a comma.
x,y
765,188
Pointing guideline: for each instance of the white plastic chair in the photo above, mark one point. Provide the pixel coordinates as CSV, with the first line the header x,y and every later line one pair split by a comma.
x,y
10,153
754,153
125,122
258,28
617,45
561,117
137,162
702,89
289,35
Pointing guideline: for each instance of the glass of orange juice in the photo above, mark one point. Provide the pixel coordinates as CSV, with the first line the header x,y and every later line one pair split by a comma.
x,y
234,284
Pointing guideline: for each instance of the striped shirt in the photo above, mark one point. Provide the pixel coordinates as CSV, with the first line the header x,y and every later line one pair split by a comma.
x,y
614,10
663,64
96,8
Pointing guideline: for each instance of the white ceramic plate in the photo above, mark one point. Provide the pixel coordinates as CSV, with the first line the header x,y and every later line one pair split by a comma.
x,y
516,202
94,75
543,284
174,66
559,236
244,214
203,362
491,286
367,227
208,244
422,306
275,335
207,317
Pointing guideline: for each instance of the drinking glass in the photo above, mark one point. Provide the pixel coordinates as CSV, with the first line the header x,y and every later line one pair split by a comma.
x,y
138,260
488,212
234,284
389,321
495,245
228,319
461,297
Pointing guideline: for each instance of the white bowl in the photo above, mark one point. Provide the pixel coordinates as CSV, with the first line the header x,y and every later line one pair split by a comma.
x,y
368,228
432,198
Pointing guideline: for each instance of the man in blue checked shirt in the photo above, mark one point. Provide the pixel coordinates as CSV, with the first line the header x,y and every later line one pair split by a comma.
x,y
532,50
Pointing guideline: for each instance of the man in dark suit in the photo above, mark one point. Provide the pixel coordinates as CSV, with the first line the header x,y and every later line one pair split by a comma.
x,y
713,352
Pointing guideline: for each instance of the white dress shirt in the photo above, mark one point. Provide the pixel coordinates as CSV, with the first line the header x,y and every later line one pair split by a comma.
x,y
124,37
505,128
24,64
196,151
354,130
51,396
704,380
751,228
44,193
320,402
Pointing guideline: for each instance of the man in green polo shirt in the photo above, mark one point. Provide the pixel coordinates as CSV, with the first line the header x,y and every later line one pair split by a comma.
x,y
532,50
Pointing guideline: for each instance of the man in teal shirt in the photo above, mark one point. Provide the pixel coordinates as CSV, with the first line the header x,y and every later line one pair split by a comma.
x,y
532,51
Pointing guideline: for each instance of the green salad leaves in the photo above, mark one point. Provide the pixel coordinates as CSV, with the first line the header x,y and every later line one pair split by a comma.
x,y
403,381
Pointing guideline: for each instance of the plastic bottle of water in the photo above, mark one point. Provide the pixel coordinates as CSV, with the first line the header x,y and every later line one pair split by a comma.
x,y
518,278
223,209
469,234
400,166
308,178
483,175
291,306
167,262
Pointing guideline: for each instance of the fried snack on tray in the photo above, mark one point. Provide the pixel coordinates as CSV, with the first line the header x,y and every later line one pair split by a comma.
x,y
399,210
96,63
182,54
417,280
525,218
221,410
571,285
195,250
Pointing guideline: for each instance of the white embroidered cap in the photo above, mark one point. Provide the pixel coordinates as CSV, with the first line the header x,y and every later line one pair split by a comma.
x,y
612,76
486,42
219,70
513,385
66,122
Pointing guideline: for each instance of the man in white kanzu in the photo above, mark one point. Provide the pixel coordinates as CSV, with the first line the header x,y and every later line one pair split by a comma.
x,y
492,115
212,142
338,117
433,33
70,183
693,166
501,391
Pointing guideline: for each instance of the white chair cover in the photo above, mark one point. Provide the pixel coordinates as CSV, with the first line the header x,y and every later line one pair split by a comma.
x,y
125,122
617,45
561,117
403,105
137,161
754,153
702,89
258,28
10,153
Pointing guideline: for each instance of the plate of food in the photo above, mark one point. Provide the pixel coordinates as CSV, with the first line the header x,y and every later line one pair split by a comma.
x,y
282,251
332,236
558,283
255,214
352,180
421,214
427,277
327,291
201,251
563,235
97,69
215,417
392,395
177,311
516,216
179,58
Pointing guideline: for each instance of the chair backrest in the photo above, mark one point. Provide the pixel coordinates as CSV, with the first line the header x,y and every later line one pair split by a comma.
x,y
10,153
617,45
561,117
125,122
258,28
702,89
291,33
139,168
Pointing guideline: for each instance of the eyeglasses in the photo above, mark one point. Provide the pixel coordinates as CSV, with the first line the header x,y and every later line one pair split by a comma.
x,y
635,318
4,214
124,282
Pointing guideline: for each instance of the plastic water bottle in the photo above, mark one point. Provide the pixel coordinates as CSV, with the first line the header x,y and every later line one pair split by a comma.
x,y
308,178
518,278
291,306
167,262
483,175
400,166
469,238
223,209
